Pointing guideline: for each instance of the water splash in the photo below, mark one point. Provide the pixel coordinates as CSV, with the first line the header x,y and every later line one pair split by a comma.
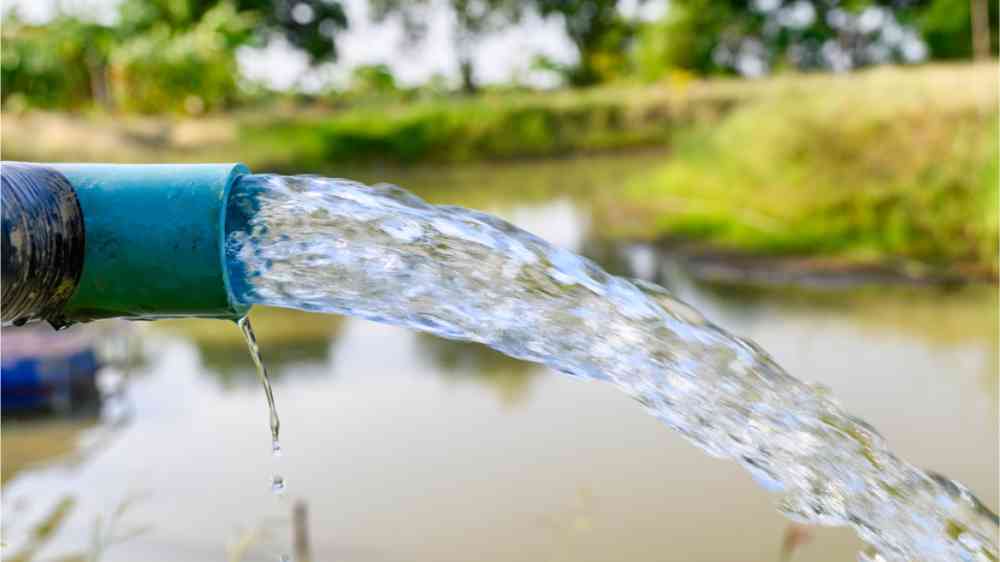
x,y
383,254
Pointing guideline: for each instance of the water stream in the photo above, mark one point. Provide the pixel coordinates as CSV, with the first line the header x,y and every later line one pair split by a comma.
x,y
272,411
277,480
383,254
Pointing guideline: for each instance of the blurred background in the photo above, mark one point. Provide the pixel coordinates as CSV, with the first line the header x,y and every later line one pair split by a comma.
x,y
820,176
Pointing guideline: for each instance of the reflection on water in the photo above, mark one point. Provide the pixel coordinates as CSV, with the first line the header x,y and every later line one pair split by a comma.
x,y
510,378
42,533
404,447
525,185
287,337
224,363
31,443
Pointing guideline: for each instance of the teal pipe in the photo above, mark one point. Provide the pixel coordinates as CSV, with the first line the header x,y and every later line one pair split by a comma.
x,y
154,240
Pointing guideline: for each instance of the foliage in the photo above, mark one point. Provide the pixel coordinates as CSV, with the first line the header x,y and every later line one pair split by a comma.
x,y
754,38
373,79
179,55
486,127
597,29
194,66
310,25
472,19
160,55
59,66
946,26
599,32
684,38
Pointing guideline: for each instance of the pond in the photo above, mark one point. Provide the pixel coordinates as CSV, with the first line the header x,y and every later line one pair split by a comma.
x,y
398,446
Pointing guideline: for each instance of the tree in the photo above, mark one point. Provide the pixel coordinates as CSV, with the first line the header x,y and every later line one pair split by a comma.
x,y
188,67
948,27
160,54
63,65
754,37
472,18
684,38
599,32
310,25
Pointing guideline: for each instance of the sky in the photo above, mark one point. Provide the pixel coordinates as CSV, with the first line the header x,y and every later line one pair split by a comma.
x,y
498,57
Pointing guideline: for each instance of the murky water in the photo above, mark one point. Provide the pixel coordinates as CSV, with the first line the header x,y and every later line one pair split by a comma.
x,y
380,253
423,449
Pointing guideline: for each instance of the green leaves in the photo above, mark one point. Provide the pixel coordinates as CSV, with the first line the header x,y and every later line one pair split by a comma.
x,y
160,55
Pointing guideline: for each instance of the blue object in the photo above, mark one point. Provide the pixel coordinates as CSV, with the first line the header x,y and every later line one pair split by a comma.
x,y
48,382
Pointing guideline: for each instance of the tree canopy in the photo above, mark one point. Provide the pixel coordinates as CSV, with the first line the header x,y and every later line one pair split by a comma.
x,y
472,19
310,25
159,54
758,36
180,55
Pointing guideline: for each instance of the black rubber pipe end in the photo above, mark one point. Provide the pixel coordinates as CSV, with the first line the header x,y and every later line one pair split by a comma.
x,y
42,243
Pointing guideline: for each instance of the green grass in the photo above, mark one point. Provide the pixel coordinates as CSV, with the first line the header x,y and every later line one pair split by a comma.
x,y
489,127
889,164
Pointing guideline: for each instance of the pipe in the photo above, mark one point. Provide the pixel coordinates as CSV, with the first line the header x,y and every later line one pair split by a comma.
x,y
152,238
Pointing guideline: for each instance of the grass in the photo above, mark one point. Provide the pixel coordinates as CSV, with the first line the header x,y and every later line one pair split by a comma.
x,y
461,131
888,164
490,127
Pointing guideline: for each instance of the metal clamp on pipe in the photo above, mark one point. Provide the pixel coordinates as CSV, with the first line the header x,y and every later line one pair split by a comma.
x,y
138,241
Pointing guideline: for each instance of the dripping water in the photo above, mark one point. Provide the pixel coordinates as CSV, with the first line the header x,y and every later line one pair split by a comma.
x,y
265,381
277,480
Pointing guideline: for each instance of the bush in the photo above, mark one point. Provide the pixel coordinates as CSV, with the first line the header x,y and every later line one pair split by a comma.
x,y
189,70
57,66
492,127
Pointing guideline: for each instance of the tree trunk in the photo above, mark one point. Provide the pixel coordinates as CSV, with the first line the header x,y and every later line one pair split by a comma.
x,y
467,70
979,12
97,70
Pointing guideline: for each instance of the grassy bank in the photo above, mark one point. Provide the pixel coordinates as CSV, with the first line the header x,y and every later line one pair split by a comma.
x,y
489,127
890,164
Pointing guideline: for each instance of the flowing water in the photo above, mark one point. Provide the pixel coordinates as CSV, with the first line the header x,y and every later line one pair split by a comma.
x,y
277,480
382,254
272,411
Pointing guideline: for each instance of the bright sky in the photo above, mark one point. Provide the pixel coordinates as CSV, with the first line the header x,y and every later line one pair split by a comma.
x,y
498,57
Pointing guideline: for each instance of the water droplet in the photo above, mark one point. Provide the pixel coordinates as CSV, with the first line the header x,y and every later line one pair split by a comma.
x,y
276,448
278,484
284,558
